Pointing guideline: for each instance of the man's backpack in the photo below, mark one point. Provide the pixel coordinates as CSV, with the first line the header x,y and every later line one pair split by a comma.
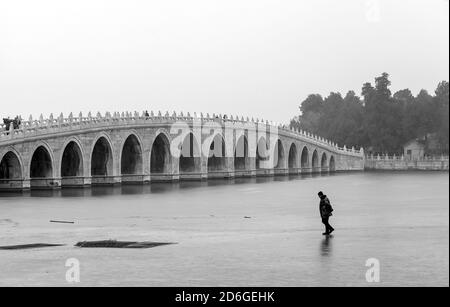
x,y
328,206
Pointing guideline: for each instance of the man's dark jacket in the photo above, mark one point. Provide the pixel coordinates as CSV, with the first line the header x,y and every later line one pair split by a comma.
x,y
325,207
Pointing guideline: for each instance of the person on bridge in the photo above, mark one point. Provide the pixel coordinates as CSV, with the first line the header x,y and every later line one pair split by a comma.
x,y
325,212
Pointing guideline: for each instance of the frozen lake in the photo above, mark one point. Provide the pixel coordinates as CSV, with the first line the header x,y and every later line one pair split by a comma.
x,y
402,219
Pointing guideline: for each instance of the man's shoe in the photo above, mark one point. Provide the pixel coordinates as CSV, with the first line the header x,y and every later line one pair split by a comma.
x,y
326,233
332,229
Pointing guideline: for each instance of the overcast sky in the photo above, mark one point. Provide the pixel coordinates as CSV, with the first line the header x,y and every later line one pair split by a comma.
x,y
254,58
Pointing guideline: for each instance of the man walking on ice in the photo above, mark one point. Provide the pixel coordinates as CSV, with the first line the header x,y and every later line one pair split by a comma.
x,y
325,212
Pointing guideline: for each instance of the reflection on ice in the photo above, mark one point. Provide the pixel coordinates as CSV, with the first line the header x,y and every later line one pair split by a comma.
x,y
326,246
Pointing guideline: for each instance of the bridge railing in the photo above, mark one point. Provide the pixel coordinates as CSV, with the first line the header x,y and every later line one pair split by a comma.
x,y
386,157
43,126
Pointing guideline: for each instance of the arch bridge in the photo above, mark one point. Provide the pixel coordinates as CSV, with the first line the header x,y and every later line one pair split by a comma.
x,y
132,148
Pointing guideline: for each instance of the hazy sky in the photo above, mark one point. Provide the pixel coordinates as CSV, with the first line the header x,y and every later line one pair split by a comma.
x,y
255,58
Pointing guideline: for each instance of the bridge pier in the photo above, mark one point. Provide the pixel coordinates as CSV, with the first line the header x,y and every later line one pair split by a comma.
x,y
294,171
192,176
246,173
164,177
226,172
132,179
306,170
280,172
14,185
249,169
45,183
106,180
74,182
26,185
316,170
265,172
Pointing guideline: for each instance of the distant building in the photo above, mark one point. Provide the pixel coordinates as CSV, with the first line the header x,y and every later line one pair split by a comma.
x,y
414,149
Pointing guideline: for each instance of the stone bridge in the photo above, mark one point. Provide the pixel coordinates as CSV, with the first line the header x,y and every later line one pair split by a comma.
x,y
132,148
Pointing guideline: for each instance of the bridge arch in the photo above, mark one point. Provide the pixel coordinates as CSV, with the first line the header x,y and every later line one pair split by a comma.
x,y
190,160
131,157
102,156
217,154
241,158
261,151
332,165
324,162
293,157
315,161
279,155
160,156
72,159
304,159
41,164
11,166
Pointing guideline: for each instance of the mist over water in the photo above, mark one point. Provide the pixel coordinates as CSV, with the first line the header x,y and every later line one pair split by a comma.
x,y
243,232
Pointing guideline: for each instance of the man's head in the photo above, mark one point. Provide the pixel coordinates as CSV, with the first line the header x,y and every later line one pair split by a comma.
x,y
320,194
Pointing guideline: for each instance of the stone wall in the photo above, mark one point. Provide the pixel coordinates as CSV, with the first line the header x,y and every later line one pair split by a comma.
x,y
401,163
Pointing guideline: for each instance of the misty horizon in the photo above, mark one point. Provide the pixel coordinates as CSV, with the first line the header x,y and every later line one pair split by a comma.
x,y
259,59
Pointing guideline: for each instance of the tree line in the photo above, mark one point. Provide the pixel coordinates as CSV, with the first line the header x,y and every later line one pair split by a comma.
x,y
378,120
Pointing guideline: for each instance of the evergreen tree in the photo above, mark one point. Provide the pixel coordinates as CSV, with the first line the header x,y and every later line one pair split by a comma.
x,y
380,121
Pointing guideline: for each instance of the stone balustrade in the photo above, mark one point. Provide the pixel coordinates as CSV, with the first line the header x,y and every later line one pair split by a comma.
x,y
51,125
